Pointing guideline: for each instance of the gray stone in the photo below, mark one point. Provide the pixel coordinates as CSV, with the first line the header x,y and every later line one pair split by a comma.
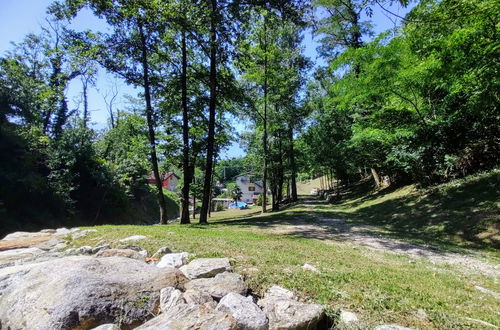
x,y
278,291
65,231
17,254
246,313
348,317
206,267
81,292
220,285
120,253
310,268
173,260
24,235
136,248
170,297
133,238
188,317
101,248
161,252
284,312
82,233
391,327
84,250
48,231
196,297
109,326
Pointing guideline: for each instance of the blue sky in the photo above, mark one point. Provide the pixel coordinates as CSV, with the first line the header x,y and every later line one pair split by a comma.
x,y
20,17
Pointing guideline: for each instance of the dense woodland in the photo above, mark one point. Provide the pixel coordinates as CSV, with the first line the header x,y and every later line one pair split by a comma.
x,y
416,104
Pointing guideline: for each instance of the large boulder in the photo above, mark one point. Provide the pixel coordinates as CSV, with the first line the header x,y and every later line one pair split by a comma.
x,y
10,256
220,285
81,292
246,313
188,317
285,312
206,267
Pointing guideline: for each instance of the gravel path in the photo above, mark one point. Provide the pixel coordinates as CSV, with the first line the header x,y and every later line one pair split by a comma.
x,y
337,230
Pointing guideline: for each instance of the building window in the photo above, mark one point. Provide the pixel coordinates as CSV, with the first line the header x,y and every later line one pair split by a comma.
x,y
251,188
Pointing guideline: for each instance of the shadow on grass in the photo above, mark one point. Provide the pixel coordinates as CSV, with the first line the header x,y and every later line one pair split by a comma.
x,y
454,217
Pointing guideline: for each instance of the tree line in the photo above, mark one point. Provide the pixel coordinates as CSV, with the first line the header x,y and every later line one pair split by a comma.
x,y
418,103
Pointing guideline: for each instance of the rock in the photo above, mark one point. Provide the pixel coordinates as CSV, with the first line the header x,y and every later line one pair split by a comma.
x,y
422,315
206,267
101,248
82,233
196,297
170,297
187,317
220,285
348,317
136,248
81,292
246,313
284,312
133,238
161,252
173,260
109,326
65,231
277,291
24,235
391,327
48,231
58,247
17,254
310,268
84,250
120,253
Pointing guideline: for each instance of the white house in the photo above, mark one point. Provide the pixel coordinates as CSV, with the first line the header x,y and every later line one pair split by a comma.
x,y
250,188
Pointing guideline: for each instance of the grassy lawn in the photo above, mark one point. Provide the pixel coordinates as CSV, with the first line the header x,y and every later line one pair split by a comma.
x,y
380,287
461,214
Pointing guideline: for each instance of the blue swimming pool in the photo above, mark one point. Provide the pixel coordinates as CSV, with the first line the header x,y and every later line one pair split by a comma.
x,y
238,205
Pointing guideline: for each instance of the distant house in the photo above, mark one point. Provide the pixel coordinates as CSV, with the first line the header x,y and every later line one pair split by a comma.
x,y
250,188
169,180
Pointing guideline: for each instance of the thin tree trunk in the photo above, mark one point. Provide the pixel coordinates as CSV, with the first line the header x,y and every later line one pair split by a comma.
x,y
376,177
85,102
151,130
207,186
185,136
279,195
292,166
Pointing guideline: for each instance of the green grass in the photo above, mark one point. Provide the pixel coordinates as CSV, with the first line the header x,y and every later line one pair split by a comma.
x,y
461,214
379,287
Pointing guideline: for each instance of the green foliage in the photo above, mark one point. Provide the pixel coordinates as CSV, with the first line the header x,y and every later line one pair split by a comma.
x,y
422,106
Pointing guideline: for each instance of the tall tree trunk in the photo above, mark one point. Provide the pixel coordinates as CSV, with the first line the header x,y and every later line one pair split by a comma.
x,y
264,137
207,186
291,156
185,136
151,129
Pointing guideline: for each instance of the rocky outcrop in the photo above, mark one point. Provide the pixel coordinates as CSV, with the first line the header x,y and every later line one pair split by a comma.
x,y
108,289
81,291
206,267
